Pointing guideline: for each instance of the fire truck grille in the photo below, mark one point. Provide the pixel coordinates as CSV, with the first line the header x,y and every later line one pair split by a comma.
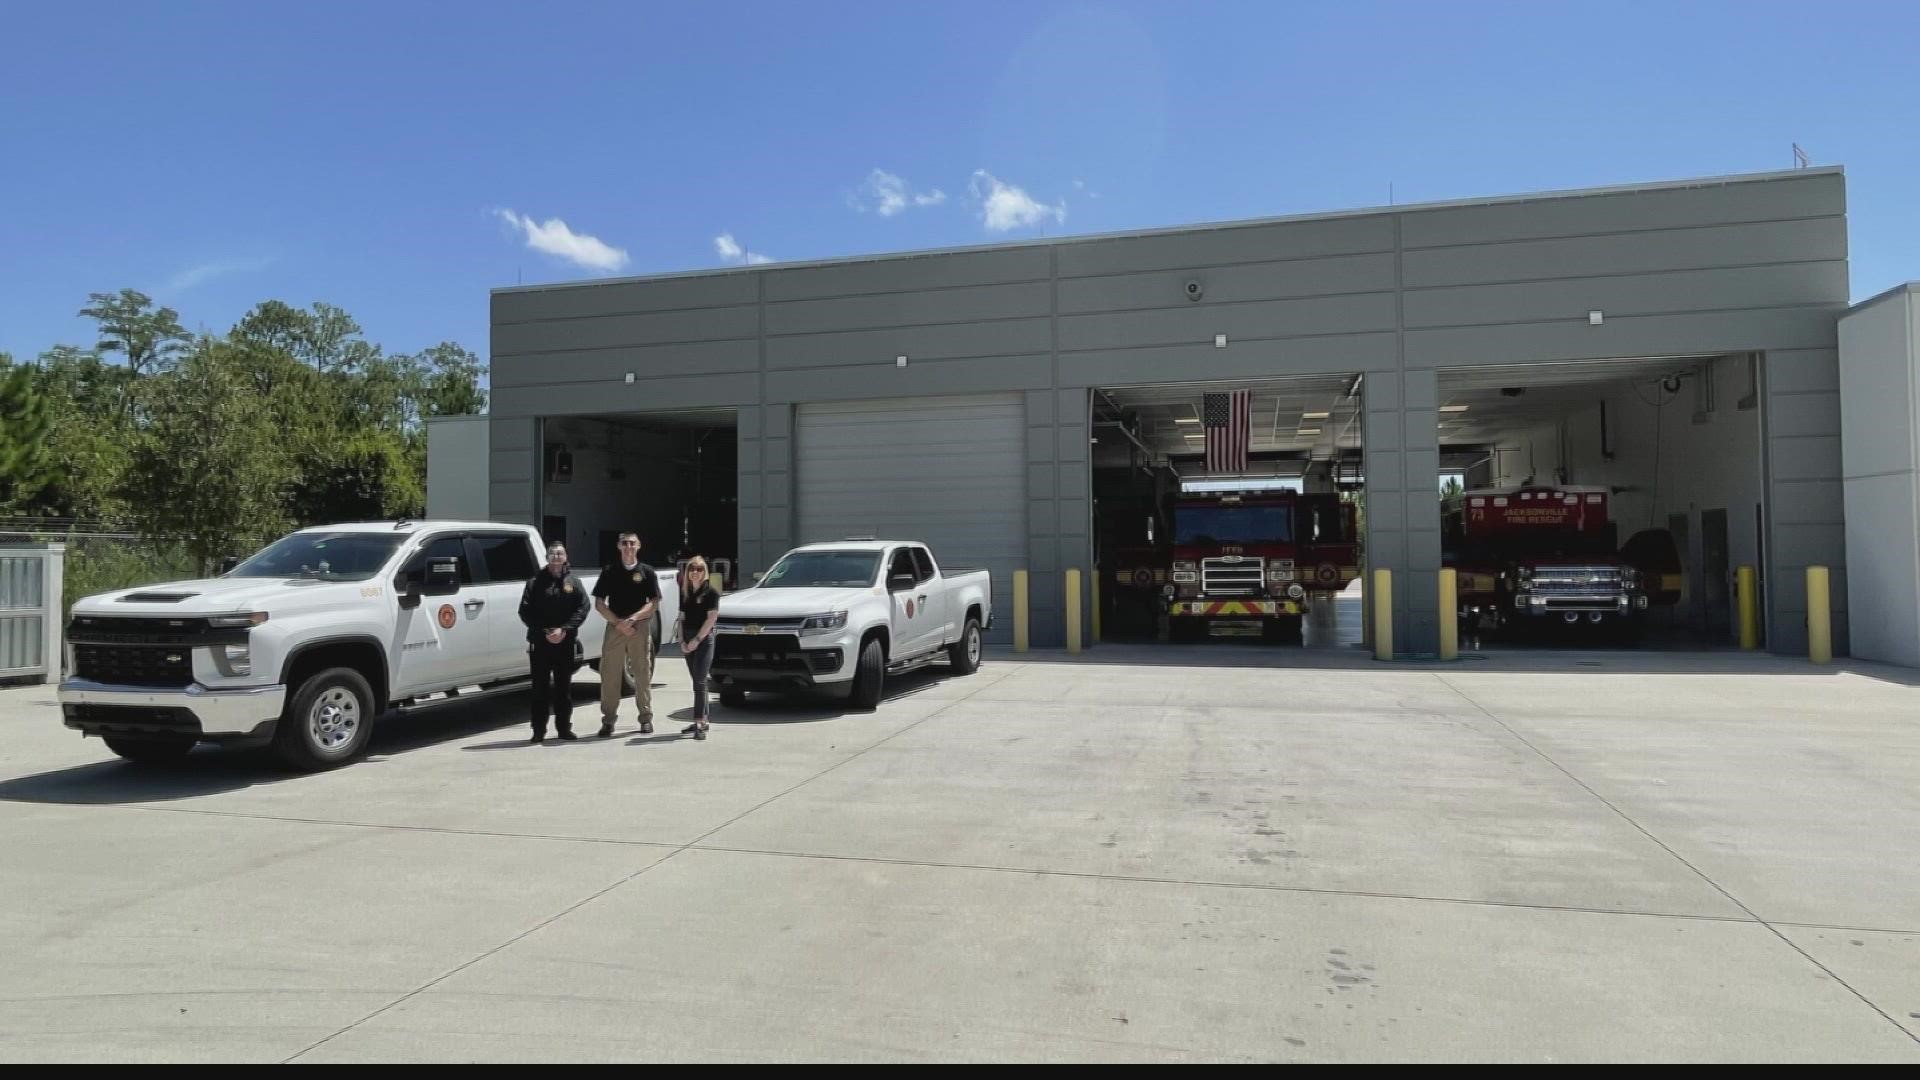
x,y
1232,575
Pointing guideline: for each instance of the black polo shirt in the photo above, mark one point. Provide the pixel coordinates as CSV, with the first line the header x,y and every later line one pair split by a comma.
x,y
626,591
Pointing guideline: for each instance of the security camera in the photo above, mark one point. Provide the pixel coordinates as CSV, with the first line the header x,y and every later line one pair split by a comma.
x,y
1195,290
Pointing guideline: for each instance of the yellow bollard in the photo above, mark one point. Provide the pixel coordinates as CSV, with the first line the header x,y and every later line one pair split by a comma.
x,y
1749,608
1819,615
1449,614
1383,614
1093,586
1073,611
1019,611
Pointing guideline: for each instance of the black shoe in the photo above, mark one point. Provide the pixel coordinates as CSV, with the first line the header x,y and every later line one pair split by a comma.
x,y
538,738
646,727
691,729
568,736
606,730
701,733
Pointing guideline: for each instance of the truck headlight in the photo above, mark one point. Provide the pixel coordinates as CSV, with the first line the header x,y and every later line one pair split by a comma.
x,y
237,622
1630,578
1185,566
1296,591
233,659
824,624
1184,576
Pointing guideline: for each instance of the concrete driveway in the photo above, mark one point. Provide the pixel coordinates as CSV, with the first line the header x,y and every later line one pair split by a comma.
x,y
1187,853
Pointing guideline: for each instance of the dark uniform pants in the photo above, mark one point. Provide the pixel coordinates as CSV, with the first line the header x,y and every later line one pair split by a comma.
x,y
553,669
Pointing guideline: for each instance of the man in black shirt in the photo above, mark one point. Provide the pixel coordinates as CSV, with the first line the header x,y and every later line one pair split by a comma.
x,y
552,607
626,596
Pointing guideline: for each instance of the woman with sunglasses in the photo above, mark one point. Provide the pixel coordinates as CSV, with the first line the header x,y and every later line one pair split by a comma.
x,y
699,610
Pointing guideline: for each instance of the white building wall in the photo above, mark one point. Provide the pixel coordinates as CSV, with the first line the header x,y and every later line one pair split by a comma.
x,y
1880,455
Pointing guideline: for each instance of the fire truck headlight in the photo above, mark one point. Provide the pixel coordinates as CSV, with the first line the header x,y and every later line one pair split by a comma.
x,y
1185,576
1185,565
1296,591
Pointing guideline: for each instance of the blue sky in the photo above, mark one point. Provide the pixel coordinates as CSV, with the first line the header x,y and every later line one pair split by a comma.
x,y
401,159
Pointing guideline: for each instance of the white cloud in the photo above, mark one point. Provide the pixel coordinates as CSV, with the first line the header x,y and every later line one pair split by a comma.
x,y
1004,206
886,194
195,276
730,250
554,238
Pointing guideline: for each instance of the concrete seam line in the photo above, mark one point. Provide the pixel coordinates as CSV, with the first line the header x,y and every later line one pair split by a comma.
x,y
1682,860
571,908
444,976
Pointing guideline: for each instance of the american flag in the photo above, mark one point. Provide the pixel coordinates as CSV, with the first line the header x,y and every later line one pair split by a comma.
x,y
1229,422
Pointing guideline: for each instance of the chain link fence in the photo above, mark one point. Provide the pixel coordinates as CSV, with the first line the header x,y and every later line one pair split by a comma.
x,y
103,559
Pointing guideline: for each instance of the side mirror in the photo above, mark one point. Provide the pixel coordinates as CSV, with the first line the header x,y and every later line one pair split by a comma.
x,y
900,582
228,562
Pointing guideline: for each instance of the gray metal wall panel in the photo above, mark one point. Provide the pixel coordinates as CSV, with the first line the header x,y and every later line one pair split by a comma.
x,y
1013,337
912,273
1819,195
1815,240
1228,244
624,297
1228,284
618,331
615,396
1719,289
927,306
926,378
1253,321
1252,360
648,361
1647,335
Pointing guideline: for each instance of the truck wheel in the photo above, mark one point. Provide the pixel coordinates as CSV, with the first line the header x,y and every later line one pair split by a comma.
x,y
964,654
328,723
870,678
148,751
733,697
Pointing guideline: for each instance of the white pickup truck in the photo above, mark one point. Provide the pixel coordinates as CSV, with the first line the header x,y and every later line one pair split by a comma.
x,y
844,616
306,643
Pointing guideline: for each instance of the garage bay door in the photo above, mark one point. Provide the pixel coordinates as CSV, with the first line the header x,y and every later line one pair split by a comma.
x,y
951,471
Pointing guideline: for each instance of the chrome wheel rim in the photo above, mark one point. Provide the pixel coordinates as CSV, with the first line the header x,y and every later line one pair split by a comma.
x,y
334,720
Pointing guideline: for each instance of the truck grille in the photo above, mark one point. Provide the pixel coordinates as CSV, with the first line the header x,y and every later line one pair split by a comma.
x,y
1232,575
135,665
1576,580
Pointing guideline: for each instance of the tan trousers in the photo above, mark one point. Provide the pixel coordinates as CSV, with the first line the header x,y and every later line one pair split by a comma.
x,y
619,653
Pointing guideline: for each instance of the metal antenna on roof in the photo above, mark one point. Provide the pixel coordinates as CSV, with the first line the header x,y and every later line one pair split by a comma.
x,y
1800,158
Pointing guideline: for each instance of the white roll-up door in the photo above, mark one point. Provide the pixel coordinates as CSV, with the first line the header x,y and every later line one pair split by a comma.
x,y
949,471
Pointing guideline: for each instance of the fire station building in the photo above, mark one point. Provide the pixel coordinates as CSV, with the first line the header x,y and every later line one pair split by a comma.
x,y
1688,349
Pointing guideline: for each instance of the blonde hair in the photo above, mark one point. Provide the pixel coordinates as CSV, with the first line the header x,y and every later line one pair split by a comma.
x,y
686,584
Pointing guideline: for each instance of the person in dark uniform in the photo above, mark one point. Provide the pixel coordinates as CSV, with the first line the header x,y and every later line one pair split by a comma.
x,y
553,606
699,611
626,595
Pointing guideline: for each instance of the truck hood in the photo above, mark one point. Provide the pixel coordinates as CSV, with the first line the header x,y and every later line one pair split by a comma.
x,y
794,603
215,596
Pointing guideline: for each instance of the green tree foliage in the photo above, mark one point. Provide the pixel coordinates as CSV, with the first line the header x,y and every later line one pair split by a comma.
x,y
26,468
150,338
210,465
292,419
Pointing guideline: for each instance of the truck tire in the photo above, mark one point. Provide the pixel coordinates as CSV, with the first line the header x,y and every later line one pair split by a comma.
x,y
964,655
328,723
869,679
148,751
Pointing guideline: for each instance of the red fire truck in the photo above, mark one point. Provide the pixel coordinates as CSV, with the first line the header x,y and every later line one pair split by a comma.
x,y
1246,563
1551,553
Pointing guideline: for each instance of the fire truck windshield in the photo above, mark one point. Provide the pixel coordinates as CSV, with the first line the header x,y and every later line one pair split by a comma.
x,y
1207,525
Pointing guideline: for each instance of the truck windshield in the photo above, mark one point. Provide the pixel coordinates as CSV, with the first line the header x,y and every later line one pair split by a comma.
x,y
824,570
328,556
1207,525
